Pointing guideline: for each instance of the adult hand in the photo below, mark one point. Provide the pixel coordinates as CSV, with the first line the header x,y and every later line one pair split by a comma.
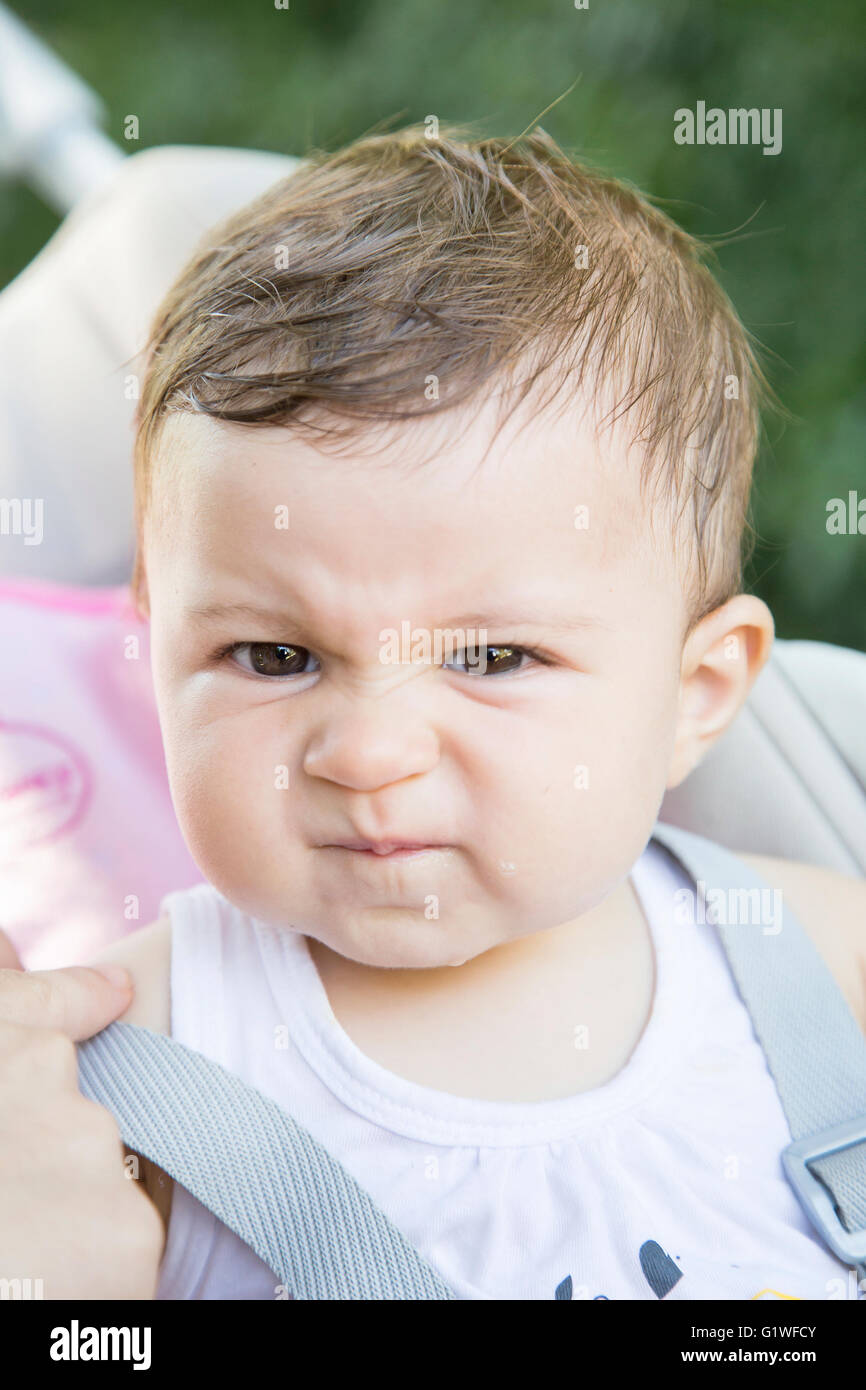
x,y
69,1215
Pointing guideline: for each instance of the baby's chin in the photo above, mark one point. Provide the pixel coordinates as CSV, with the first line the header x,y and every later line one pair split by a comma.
x,y
393,940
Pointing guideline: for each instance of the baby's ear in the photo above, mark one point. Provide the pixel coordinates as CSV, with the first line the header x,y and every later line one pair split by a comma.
x,y
721,660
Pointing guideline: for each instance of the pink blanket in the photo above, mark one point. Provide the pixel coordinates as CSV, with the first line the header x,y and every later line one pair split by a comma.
x,y
88,838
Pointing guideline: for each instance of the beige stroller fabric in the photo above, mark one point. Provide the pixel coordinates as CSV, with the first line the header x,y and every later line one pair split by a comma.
x,y
71,326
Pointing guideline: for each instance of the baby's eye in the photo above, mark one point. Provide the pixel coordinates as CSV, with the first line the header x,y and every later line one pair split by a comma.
x,y
271,658
491,661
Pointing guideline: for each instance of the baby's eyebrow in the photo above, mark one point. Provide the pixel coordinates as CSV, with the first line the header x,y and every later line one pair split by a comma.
x,y
510,617
214,612
535,617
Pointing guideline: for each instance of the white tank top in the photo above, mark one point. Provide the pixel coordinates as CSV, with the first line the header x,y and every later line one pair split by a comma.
x,y
664,1182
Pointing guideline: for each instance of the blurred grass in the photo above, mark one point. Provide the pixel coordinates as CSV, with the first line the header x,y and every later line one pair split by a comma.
x,y
225,73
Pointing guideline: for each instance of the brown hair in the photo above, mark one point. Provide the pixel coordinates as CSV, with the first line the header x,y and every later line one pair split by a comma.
x,y
340,292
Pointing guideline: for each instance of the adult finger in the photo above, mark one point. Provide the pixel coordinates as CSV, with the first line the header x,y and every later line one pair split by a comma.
x,y
78,1000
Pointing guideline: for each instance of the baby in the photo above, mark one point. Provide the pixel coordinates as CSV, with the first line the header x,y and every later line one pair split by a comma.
x,y
443,460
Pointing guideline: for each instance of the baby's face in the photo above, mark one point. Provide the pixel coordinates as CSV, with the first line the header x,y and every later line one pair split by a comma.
x,y
292,726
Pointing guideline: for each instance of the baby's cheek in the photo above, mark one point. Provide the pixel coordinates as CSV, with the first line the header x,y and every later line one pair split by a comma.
x,y
224,794
609,781
546,807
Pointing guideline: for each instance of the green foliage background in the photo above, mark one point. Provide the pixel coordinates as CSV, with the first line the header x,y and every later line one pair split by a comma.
x,y
242,73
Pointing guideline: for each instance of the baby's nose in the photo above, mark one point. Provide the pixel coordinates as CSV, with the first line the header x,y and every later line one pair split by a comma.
x,y
371,745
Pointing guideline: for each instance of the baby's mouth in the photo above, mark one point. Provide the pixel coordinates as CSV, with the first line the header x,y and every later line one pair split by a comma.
x,y
388,849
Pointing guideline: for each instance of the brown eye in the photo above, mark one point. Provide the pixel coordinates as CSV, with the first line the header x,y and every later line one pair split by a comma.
x,y
492,661
272,658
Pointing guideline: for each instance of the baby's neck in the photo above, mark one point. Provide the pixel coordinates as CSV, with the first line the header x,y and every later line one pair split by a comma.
x,y
539,1018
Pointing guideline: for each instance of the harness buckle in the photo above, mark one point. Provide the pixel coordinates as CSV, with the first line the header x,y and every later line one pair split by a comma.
x,y
814,1197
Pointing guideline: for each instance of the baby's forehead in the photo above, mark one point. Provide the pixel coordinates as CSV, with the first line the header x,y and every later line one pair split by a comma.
x,y
470,458
424,509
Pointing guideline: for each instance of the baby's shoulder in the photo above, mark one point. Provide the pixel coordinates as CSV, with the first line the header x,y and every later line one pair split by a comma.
x,y
146,953
832,908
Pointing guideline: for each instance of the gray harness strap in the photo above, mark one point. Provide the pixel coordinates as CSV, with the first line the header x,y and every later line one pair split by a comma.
x,y
814,1047
267,1179
257,1169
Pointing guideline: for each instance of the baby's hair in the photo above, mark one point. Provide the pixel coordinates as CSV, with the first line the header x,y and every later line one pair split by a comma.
x,y
339,295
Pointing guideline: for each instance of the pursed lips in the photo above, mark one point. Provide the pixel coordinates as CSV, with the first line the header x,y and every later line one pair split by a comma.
x,y
387,849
